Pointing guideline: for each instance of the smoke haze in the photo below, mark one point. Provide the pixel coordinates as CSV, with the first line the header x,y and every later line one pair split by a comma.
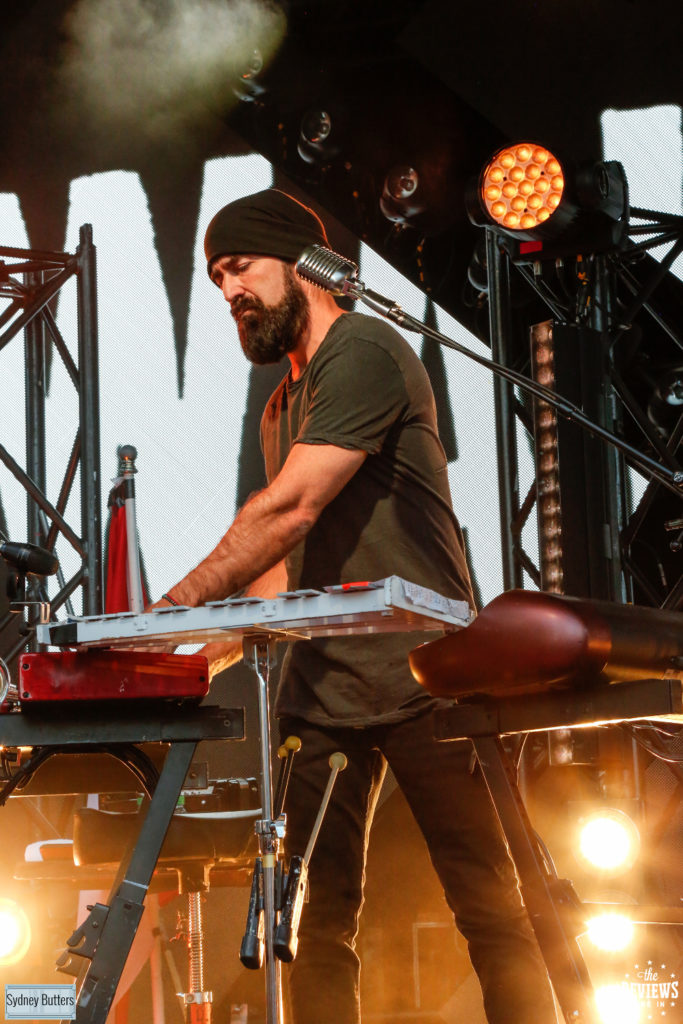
x,y
154,70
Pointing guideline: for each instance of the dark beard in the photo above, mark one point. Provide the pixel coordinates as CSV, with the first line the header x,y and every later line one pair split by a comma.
x,y
267,333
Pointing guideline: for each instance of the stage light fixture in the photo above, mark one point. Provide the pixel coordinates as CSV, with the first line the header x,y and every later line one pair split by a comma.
x,y
548,505
477,270
666,402
401,200
528,193
611,931
248,87
15,932
522,186
608,841
560,747
616,1004
317,137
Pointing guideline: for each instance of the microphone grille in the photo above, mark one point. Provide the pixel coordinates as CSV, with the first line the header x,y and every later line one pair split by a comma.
x,y
326,269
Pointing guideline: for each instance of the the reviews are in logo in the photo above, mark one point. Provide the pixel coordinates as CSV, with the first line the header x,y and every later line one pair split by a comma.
x,y
655,987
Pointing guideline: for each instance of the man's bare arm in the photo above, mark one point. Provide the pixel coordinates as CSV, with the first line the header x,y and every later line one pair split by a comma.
x,y
272,523
222,655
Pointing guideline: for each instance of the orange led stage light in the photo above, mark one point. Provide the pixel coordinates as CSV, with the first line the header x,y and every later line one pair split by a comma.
x,y
547,204
522,186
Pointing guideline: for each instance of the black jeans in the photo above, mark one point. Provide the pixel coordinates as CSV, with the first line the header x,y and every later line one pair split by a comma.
x,y
453,809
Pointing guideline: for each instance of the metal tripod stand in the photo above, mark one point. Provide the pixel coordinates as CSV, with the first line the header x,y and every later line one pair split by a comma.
x,y
275,909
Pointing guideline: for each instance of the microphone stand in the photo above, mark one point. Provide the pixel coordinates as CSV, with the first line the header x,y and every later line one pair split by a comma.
x,y
672,479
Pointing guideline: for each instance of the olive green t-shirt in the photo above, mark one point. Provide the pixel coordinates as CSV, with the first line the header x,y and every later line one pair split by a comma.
x,y
366,389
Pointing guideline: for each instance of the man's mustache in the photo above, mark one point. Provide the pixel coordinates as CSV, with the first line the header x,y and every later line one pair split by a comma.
x,y
244,305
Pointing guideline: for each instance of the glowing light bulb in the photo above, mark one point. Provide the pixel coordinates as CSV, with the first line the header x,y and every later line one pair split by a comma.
x,y
9,933
542,215
604,843
533,172
617,1005
510,220
542,185
507,160
517,204
509,190
15,932
553,201
611,931
528,221
553,167
534,202
540,155
609,840
516,173
492,192
498,209
496,174
525,188
523,153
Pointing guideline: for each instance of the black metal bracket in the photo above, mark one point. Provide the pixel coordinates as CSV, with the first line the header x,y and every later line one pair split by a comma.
x,y
550,902
83,942
554,908
645,698
105,937
108,947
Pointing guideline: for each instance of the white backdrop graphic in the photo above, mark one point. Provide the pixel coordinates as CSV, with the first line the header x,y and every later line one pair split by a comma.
x,y
188,448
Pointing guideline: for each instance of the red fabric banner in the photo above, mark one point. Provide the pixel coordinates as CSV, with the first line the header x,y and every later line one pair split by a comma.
x,y
116,590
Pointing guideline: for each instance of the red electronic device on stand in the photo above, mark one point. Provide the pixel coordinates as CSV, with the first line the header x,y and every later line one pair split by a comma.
x,y
111,675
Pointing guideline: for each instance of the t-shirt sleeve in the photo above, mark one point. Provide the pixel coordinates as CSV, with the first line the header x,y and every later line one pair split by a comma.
x,y
357,394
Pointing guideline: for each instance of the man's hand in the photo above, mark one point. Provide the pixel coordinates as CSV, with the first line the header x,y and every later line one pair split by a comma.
x,y
159,648
220,654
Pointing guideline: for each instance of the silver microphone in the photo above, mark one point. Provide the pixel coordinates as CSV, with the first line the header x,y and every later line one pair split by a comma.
x,y
334,273
327,270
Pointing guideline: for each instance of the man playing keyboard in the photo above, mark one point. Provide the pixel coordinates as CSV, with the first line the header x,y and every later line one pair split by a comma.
x,y
357,490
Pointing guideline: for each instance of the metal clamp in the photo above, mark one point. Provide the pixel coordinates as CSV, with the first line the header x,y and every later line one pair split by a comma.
x,y
195,997
5,681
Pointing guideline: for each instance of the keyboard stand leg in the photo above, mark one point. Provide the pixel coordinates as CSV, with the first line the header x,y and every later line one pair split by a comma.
x,y
117,925
549,904
259,654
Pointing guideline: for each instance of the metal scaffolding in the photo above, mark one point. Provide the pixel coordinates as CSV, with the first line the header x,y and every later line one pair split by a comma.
x,y
605,361
29,282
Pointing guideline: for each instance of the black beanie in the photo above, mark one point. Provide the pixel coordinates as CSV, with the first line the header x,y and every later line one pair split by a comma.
x,y
269,223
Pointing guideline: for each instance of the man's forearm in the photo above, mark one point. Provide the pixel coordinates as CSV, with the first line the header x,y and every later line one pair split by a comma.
x,y
272,523
221,655
260,537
